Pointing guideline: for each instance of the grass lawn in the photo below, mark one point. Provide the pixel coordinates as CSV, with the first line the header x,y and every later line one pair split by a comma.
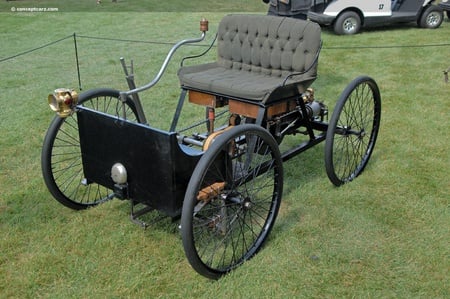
x,y
136,6
385,235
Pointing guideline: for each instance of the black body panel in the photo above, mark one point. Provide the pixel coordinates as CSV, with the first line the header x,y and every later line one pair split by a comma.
x,y
158,167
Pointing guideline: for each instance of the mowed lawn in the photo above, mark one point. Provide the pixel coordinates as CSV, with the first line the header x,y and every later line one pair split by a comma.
x,y
385,235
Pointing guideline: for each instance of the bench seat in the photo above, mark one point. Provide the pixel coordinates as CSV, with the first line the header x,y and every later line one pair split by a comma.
x,y
260,58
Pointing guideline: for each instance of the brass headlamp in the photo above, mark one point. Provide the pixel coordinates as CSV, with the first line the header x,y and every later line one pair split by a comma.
x,y
63,101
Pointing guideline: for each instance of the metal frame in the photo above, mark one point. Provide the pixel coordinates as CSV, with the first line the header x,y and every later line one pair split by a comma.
x,y
177,154
202,177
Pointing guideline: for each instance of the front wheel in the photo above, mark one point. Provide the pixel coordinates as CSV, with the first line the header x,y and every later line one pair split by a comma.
x,y
347,23
232,200
61,162
431,18
352,131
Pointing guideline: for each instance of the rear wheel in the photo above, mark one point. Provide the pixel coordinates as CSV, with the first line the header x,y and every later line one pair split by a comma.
x,y
348,22
352,131
232,200
431,18
61,162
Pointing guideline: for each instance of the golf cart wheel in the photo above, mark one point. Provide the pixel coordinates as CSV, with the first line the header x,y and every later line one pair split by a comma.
x,y
232,200
352,131
432,17
349,22
61,162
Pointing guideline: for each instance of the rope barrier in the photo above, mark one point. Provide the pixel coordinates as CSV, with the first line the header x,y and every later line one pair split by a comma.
x,y
203,45
74,36
35,49
124,40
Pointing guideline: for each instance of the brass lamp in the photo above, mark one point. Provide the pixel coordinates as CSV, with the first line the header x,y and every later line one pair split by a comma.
x,y
63,101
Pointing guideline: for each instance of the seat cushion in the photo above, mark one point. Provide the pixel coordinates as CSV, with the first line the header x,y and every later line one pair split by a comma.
x,y
217,79
258,54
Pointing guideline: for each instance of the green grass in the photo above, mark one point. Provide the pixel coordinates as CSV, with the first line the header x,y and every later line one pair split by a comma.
x,y
135,6
385,235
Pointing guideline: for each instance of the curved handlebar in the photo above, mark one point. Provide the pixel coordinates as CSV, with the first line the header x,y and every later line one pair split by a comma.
x,y
203,28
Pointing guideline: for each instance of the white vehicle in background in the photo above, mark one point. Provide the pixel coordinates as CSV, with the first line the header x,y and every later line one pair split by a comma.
x,y
349,16
445,5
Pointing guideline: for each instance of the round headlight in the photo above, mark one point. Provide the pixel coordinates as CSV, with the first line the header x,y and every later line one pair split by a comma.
x,y
119,173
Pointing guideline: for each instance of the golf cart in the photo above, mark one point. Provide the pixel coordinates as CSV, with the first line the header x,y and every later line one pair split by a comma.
x,y
445,5
348,16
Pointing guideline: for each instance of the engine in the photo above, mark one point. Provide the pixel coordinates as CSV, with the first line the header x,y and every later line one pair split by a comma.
x,y
306,107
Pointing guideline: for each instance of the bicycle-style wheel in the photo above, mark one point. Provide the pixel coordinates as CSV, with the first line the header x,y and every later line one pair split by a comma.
x,y
232,200
61,162
352,130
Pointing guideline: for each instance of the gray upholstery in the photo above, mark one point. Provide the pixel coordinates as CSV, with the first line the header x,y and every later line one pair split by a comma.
x,y
256,54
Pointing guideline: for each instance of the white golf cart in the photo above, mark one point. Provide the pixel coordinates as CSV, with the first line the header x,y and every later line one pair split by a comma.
x,y
348,16
445,5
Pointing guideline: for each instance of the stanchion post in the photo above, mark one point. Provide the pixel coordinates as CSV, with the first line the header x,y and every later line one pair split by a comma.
x,y
76,57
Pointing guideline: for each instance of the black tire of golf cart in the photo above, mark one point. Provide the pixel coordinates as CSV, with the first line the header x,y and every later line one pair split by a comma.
x,y
431,17
349,22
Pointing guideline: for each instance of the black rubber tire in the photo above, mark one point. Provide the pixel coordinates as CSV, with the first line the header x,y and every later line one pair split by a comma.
x,y
431,17
352,130
349,22
228,228
61,162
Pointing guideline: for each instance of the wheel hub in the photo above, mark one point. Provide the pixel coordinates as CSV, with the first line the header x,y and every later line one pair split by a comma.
x,y
247,205
239,199
349,25
362,134
433,19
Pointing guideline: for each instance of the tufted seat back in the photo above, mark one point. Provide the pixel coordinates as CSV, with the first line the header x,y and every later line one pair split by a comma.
x,y
271,46
257,55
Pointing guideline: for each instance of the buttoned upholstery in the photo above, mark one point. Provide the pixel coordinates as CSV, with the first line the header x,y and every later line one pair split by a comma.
x,y
259,58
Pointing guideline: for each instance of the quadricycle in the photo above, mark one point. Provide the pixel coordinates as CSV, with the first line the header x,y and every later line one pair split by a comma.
x,y
223,181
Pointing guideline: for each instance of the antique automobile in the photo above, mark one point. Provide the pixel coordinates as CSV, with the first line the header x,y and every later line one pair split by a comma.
x,y
349,16
220,178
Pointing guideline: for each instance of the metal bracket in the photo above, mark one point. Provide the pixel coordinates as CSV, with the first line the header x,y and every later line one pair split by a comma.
x,y
135,214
